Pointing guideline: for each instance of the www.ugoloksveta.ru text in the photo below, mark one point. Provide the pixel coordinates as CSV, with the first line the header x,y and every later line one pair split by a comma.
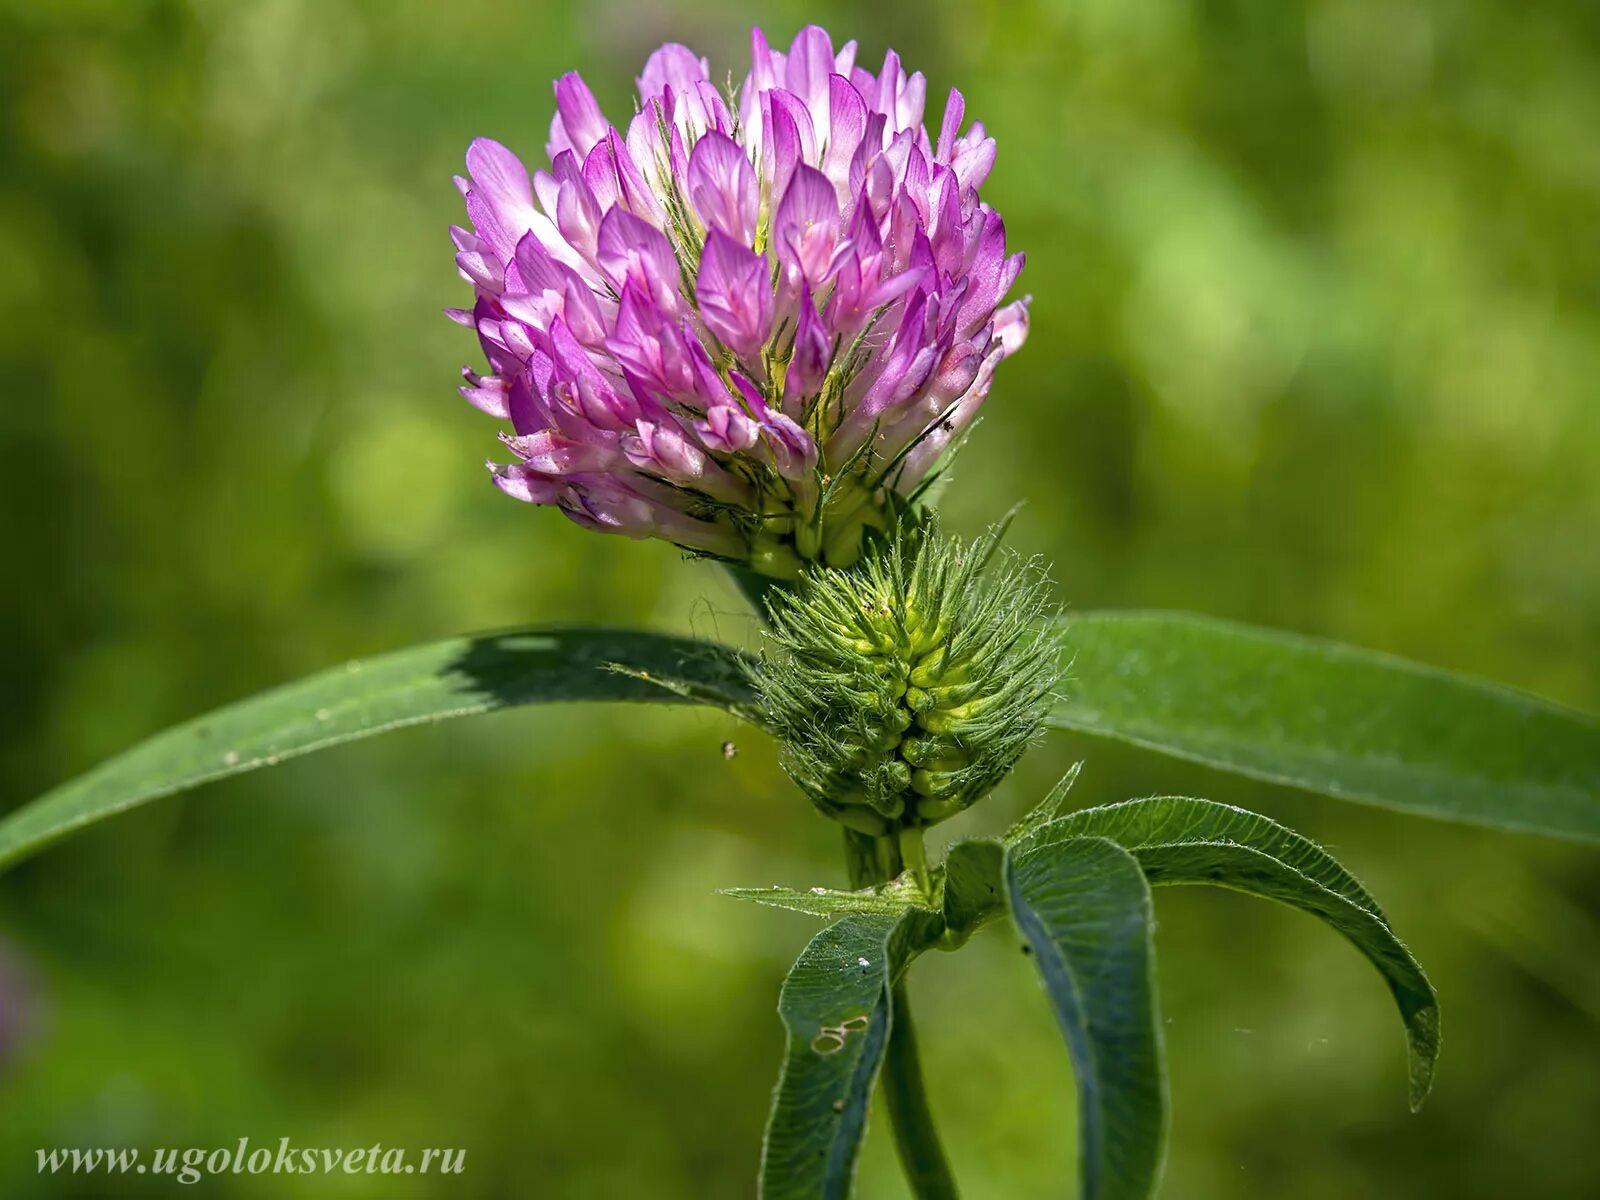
x,y
196,1163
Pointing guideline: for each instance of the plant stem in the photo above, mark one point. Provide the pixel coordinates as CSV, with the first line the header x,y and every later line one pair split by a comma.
x,y
755,587
873,861
921,1155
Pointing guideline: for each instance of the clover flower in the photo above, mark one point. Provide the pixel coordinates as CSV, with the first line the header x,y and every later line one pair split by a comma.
x,y
752,324
903,688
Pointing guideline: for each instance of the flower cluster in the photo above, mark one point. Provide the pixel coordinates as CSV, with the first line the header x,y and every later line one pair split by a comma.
x,y
748,323
905,687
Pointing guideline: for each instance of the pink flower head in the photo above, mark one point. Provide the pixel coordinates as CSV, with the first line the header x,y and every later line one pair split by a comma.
x,y
743,324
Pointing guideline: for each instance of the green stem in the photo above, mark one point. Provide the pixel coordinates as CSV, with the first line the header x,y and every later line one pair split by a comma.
x,y
756,587
874,861
921,1155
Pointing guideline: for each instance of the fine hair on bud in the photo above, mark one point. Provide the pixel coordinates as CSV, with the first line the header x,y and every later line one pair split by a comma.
x,y
904,687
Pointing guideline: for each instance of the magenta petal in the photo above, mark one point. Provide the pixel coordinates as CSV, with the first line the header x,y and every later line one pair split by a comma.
x,y
576,210
1011,326
766,72
954,109
500,196
665,450
674,66
498,174
813,351
806,228
728,429
649,347
847,124
631,249
734,291
791,139
793,452
614,177
549,453
486,392
527,485
559,291
974,158
723,187
806,71
579,114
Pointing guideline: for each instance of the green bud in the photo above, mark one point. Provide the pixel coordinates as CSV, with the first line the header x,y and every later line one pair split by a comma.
x,y
905,686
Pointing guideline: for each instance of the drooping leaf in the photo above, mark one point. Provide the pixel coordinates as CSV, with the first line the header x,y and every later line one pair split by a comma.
x,y
837,1010
1084,908
1334,719
452,678
1180,840
974,888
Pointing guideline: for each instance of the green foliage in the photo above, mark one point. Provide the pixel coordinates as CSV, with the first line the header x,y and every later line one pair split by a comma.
x,y
837,1010
972,891
453,678
1084,908
1333,719
893,899
904,688
1077,887
1180,840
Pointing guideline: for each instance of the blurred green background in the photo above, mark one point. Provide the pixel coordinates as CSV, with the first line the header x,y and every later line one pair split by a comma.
x,y
1316,344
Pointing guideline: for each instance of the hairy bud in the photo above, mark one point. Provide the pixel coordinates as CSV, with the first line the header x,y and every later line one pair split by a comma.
x,y
905,687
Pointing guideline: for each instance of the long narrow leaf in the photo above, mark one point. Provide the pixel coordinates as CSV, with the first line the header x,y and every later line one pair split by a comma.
x,y
454,678
1084,908
1333,719
837,1010
1180,840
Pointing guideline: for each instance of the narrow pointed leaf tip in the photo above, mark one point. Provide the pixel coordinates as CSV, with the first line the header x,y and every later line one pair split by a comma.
x,y
454,678
1334,719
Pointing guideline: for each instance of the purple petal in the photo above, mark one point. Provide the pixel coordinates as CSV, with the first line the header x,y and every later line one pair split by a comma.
x,y
486,392
791,139
806,72
560,292
500,197
723,187
909,104
615,179
578,115
649,347
671,65
954,109
521,483
577,211
664,449
988,277
974,157
806,228
847,124
844,62
1011,325
550,453
734,290
633,250
812,355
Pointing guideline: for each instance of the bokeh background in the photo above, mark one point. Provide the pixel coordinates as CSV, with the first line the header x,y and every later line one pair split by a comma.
x,y
1316,344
